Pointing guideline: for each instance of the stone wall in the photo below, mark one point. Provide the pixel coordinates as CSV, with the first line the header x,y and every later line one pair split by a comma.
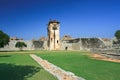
x,y
66,46
76,46
82,44
11,45
40,45
31,45
73,44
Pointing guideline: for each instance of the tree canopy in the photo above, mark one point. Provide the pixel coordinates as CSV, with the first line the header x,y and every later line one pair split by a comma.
x,y
4,39
20,45
117,34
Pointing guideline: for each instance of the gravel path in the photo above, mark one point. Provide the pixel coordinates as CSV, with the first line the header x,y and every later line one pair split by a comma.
x,y
54,70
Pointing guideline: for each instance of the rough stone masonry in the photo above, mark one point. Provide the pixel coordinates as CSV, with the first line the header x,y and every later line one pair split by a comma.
x,y
54,70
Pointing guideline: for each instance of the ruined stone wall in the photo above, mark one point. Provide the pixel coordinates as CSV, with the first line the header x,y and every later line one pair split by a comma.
x,y
91,43
40,45
31,45
66,46
82,44
74,44
11,45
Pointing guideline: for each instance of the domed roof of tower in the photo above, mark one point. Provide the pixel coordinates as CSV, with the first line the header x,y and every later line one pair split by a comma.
x,y
54,21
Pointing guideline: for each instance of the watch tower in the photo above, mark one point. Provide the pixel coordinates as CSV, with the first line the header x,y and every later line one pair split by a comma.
x,y
53,35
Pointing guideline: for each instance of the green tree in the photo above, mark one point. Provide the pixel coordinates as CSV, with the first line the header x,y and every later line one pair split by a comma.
x,y
20,45
4,39
117,35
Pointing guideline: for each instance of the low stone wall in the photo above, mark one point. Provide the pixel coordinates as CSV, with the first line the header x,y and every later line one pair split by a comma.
x,y
11,46
56,71
31,45
110,53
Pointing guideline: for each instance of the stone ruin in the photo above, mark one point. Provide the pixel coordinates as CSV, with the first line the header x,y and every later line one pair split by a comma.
x,y
71,44
53,35
82,44
54,42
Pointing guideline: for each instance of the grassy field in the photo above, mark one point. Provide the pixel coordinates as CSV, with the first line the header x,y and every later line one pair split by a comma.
x,y
18,66
84,66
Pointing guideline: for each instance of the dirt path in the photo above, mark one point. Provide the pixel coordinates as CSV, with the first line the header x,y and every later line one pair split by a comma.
x,y
101,57
54,70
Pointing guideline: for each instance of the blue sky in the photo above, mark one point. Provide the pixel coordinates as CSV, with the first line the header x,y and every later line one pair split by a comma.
x,y
28,19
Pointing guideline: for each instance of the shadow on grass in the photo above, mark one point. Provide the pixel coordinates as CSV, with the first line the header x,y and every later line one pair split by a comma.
x,y
16,72
9,51
5,55
15,51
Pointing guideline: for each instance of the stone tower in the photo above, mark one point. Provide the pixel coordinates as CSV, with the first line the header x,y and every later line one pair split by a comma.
x,y
53,35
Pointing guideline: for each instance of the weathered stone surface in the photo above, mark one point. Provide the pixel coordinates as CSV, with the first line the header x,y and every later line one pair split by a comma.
x,y
56,71
82,44
53,35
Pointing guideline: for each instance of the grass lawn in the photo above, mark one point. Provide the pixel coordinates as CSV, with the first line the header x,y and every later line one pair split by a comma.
x,y
82,65
18,66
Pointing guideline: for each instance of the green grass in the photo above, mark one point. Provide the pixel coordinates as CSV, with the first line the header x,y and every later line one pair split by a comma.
x,y
82,65
17,66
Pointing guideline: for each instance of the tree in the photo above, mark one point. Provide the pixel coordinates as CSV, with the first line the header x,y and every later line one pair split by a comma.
x,y
4,39
20,45
117,35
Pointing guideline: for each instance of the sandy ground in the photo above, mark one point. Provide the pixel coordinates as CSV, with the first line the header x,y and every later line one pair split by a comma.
x,y
100,57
